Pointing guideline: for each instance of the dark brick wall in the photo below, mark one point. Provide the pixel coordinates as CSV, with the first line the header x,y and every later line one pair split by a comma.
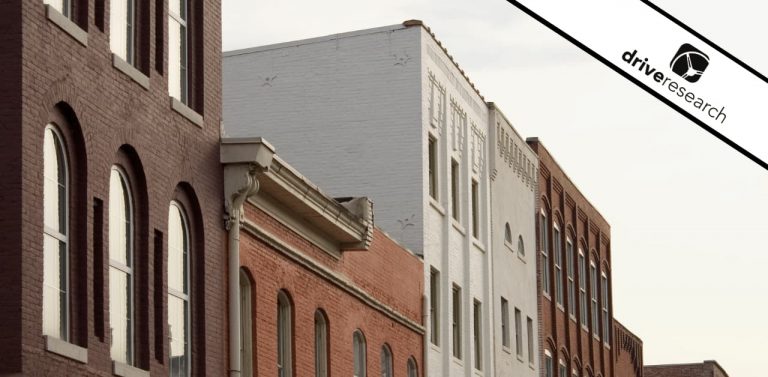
x,y
628,352
562,201
708,368
112,111
390,274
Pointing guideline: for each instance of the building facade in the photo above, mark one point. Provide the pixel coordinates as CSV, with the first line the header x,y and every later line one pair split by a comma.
x,y
111,188
322,291
708,368
513,174
386,113
573,242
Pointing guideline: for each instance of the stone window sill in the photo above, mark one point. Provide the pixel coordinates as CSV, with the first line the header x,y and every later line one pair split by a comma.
x,y
67,25
478,244
66,349
130,71
125,370
187,112
458,227
436,206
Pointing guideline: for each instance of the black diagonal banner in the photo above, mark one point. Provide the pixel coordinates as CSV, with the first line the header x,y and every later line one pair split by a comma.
x,y
669,60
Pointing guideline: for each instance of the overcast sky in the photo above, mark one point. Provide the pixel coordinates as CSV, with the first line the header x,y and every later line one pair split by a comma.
x,y
688,214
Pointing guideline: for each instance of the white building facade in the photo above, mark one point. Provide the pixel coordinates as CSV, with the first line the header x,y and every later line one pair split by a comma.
x,y
386,113
513,173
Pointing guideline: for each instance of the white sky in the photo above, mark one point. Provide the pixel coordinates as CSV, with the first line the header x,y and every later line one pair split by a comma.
x,y
688,213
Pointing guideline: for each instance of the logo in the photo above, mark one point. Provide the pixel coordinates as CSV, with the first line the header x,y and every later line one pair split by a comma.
x,y
689,63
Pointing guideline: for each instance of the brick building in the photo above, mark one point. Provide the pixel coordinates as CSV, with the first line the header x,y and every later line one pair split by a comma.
x,y
387,113
628,352
707,368
111,188
574,261
322,291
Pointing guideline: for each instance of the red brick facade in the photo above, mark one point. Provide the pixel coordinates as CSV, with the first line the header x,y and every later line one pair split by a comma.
x,y
582,347
628,352
378,291
108,118
708,368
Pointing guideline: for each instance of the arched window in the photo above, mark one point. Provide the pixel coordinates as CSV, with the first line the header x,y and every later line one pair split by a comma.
x,y
507,234
121,276
284,336
55,236
358,349
321,344
520,245
246,328
386,361
179,291
412,371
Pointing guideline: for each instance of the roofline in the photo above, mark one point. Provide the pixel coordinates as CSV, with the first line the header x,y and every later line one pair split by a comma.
x,y
687,364
535,139
492,106
639,339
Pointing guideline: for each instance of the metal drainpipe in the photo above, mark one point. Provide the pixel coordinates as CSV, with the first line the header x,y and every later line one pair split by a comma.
x,y
233,225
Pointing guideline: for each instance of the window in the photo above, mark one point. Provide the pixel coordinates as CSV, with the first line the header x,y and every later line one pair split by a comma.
x,y
412,371
63,6
178,291
120,267
593,295
455,199
434,306
583,288
456,318
358,348
544,239
518,332
530,341
386,361
477,331
433,167
558,256
520,246
246,329
475,211
504,322
55,236
606,319
507,234
570,273
284,336
563,372
122,29
548,367
321,344
178,50
575,372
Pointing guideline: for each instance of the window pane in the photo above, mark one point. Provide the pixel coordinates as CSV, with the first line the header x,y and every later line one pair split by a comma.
x,y
120,315
54,185
118,28
530,340
386,362
174,57
321,344
412,372
54,287
174,6
358,347
177,331
119,219
434,308
177,251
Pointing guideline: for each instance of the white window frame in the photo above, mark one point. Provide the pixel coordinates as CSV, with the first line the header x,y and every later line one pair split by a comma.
x,y
126,269
456,321
518,333
321,344
475,198
570,273
246,325
126,52
284,335
412,369
558,259
505,338
456,190
184,296
477,332
183,71
64,7
593,296
63,324
434,305
386,361
531,353
433,167
548,364
583,304
520,246
359,364
563,370
606,318
544,237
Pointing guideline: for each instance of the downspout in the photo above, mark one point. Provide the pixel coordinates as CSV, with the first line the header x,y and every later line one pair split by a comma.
x,y
427,321
233,224
243,160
